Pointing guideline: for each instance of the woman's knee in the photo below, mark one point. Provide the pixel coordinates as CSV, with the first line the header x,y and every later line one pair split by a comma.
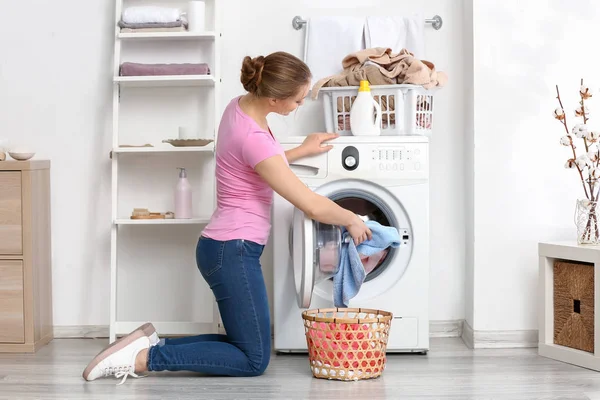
x,y
260,361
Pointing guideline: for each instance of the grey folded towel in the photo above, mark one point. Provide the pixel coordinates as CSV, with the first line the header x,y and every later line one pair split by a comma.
x,y
153,24
137,69
150,30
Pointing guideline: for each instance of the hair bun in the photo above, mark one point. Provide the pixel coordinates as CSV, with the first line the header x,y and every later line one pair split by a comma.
x,y
252,69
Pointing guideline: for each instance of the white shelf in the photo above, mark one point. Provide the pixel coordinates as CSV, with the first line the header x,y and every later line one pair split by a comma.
x,y
191,221
166,35
165,80
165,149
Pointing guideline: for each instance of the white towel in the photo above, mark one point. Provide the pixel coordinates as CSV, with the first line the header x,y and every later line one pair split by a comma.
x,y
330,39
396,33
147,14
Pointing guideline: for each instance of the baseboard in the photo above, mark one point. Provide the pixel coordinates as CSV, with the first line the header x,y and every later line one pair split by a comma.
x,y
80,331
436,329
467,335
498,339
440,329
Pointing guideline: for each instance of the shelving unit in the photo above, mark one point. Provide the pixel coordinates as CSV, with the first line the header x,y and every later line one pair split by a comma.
x,y
205,86
167,35
191,221
165,81
165,149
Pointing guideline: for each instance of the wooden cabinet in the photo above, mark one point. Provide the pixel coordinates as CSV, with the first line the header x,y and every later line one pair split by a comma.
x,y
25,256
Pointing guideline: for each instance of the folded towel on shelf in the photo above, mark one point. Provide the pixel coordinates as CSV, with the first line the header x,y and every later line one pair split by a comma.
x,y
138,69
382,67
144,25
141,14
142,30
328,40
396,33
351,273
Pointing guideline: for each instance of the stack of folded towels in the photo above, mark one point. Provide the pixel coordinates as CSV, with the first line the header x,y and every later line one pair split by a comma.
x,y
156,19
152,19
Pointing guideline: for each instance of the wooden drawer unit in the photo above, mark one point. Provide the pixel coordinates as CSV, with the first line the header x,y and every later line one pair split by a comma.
x,y
25,256
12,329
11,217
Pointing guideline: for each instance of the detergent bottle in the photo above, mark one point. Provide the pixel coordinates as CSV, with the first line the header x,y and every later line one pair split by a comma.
x,y
362,122
183,196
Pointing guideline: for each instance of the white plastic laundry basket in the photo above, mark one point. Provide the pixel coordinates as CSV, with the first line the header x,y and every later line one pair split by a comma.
x,y
405,109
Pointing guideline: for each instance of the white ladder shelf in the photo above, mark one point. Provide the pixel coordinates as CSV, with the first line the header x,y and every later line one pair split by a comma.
x,y
198,83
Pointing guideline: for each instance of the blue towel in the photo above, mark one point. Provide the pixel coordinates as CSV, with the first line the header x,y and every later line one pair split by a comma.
x,y
351,273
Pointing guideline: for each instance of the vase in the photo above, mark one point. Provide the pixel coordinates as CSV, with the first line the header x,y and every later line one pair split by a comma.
x,y
586,220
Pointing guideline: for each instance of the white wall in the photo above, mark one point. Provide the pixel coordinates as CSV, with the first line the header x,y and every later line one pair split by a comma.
x,y
56,98
522,193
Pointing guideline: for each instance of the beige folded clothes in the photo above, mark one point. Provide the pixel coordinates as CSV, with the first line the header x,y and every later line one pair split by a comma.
x,y
380,66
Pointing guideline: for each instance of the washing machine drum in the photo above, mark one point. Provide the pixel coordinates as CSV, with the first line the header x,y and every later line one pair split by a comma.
x,y
316,247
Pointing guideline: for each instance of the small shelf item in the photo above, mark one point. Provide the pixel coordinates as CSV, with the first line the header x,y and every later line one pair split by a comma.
x,y
143,213
188,142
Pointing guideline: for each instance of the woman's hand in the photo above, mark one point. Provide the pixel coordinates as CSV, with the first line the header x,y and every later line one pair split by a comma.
x,y
359,230
313,144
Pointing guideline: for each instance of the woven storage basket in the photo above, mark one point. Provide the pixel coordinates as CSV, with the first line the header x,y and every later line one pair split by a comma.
x,y
574,305
347,343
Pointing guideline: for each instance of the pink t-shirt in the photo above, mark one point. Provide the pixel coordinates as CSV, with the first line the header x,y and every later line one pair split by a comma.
x,y
243,198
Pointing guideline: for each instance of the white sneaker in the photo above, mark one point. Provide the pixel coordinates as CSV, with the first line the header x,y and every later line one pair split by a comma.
x,y
150,331
118,359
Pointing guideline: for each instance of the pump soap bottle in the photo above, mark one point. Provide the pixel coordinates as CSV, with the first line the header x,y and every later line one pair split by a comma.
x,y
183,196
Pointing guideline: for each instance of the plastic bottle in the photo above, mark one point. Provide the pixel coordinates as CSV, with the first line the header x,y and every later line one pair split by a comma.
x,y
183,196
361,113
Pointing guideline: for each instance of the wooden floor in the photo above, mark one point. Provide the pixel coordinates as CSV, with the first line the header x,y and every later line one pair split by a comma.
x,y
449,371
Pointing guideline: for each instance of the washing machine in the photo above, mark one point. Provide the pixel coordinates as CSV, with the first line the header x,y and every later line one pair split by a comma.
x,y
382,178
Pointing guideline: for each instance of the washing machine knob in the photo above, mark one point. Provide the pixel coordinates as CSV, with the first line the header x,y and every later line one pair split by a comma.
x,y
350,161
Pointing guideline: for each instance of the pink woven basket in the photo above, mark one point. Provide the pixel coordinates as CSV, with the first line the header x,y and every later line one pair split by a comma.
x,y
347,343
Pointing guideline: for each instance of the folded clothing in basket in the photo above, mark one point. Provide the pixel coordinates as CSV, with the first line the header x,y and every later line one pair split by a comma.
x,y
380,66
351,273
137,69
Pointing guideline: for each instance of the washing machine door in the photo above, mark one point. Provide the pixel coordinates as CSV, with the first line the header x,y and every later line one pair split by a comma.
x,y
303,257
315,249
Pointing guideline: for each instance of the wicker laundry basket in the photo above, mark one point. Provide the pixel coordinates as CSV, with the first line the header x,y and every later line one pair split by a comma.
x,y
574,305
347,343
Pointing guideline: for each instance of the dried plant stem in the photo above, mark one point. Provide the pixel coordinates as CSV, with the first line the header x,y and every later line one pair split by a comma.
x,y
564,121
587,149
584,117
592,219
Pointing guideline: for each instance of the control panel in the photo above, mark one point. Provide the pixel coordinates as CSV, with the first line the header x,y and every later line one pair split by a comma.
x,y
399,158
380,159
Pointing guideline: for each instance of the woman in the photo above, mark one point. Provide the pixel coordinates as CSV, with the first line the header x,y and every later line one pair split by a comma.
x,y
250,165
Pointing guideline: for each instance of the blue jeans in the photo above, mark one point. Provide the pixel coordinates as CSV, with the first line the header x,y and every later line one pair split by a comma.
x,y
232,270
